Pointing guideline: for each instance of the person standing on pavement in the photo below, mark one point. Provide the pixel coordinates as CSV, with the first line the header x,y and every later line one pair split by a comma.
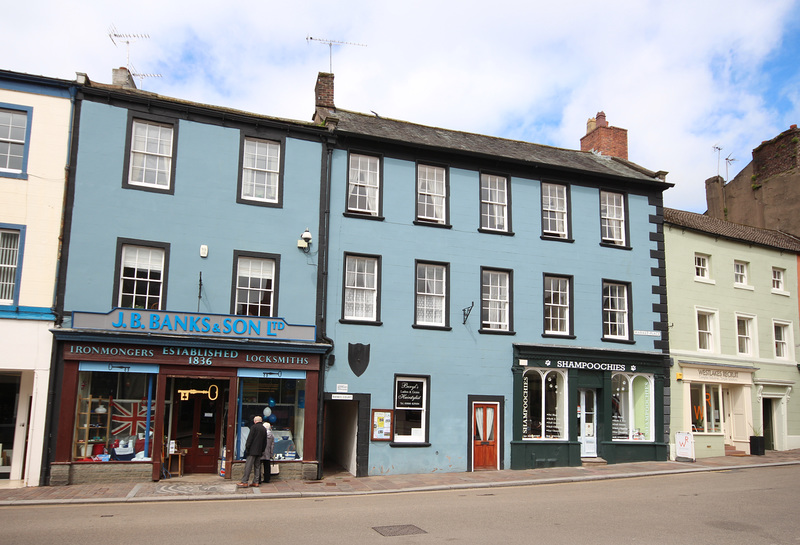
x,y
254,448
266,457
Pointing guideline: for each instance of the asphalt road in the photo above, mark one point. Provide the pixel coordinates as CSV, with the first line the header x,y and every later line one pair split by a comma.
x,y
751,506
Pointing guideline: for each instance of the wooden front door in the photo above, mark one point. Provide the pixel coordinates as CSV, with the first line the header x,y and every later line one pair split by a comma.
x,y
484,433
196,426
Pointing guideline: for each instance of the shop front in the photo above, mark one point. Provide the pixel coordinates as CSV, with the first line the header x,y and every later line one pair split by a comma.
x,y
573,406
148,406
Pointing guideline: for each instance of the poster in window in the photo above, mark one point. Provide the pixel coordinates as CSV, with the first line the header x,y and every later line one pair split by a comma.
x,y
409,394
382,421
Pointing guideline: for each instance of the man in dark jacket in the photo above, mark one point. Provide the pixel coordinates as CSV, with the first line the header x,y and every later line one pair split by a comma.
x,y
254,448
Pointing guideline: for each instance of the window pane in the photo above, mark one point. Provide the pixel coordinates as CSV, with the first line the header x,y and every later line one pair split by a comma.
x,y
431,295
13,128
360,290
9,255
151,154
554,210
493,202
260,170
364,183
254,281
141,281
612,218
495,301
615,311
556,301
431,193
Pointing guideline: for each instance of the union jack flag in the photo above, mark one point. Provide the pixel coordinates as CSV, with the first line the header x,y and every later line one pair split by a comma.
x,y
129,415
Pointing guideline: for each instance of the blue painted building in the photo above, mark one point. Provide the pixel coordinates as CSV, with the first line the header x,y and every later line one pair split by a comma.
x,y
188,298
492,303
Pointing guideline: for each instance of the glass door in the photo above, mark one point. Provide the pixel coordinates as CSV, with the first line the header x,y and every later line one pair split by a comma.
x,y
587,430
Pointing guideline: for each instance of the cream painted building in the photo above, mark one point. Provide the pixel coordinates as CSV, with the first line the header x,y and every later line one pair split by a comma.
x,y
35,131
733,327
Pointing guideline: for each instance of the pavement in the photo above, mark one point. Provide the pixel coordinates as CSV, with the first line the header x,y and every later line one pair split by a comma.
x,y
213,487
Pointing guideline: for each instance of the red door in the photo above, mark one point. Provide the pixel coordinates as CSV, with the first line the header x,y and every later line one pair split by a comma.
x,y
484,433
196,429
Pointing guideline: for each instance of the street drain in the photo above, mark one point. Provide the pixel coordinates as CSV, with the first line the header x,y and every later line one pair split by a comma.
x,y
398,530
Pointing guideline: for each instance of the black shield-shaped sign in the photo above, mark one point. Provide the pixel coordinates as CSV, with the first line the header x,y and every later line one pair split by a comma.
x,y
358,356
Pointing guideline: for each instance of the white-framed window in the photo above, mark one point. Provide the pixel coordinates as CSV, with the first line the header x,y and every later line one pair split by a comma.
x,y
261,162
745,330
255,286
740,270
706,407
364,184
707,330
702,267
612,218
557,319
431,194
632,407
411,409
494,202
151,150
555,220
784,346
779,281
10,249
431,295
495,300
141,279
544,404
615,311
361,288
14,141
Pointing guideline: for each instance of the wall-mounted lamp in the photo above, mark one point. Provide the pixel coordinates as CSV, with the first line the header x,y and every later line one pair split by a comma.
x,y
305,241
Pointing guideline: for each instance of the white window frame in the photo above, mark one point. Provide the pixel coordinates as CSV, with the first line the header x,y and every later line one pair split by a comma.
x,y
746,344
256,282
361,284
151,152
141,258
11,241
710,333
261,169
625,395
431,294
15,137
432,194
702,268
556,382
417,435
616,310
364,184
555,210
557,305
779,281
495,300
612,218
740,273
494,202
783,344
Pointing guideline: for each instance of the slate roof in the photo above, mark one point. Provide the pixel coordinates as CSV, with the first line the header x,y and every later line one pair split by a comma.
x,y
733,231
403,132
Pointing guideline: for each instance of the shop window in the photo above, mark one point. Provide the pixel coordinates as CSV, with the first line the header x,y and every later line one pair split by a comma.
x,y
111,417
544,404
632,407
281,402
706,400
410,409
255,285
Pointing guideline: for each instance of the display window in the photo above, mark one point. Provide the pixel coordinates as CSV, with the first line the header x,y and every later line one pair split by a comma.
x,y
706,402
544,404
632,407
114,416
279,401
410,409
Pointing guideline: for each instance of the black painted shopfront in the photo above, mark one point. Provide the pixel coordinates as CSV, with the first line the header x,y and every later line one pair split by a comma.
x,y
576,405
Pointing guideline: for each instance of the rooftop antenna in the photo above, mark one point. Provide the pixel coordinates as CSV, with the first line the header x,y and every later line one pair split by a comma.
x,y
128,39
330,44
718,149
728,161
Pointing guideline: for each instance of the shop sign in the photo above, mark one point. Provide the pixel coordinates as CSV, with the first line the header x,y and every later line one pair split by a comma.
x,y
718,374
409,394
582,364
185,355
193,324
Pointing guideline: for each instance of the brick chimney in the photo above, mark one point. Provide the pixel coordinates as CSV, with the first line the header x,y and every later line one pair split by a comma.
x,y
122,76
604,139
323,100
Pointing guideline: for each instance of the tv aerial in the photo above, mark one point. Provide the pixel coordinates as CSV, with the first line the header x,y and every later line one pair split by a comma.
x,y
128,39
330,44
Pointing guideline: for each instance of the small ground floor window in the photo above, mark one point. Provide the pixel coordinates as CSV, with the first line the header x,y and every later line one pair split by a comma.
x,y
706,404
281,402
632,407
543,404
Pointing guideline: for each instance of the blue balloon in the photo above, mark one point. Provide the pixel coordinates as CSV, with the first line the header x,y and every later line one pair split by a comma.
x,y
271,419
271,402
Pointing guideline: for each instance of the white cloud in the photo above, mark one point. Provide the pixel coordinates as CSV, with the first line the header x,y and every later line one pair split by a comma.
x,y
681,76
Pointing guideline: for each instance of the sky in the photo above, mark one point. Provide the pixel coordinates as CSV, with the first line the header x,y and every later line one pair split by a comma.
x,y
698,84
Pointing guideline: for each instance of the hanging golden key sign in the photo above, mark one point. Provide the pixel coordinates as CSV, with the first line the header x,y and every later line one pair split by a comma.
x,y
213,388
